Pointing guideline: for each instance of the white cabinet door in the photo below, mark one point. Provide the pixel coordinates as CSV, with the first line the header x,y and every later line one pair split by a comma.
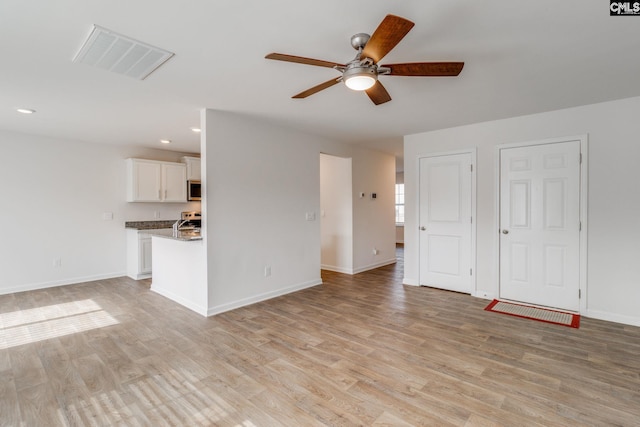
x,y
145,181
144,257
139,253
155,181
193,168
174,182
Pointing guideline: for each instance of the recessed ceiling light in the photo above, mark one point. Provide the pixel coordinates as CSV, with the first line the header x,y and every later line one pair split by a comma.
x,y
197,130
26,110
165,141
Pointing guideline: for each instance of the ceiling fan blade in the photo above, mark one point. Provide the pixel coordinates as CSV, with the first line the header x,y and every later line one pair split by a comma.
x,y
302,60
425,69
318,88
391,30
378,94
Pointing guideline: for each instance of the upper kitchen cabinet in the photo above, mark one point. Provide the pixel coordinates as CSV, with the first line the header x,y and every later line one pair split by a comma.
x,y
193,167
154,181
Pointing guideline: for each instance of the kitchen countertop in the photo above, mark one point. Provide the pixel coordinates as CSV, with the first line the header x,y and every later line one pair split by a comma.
x,y
184,235
149,225
164,229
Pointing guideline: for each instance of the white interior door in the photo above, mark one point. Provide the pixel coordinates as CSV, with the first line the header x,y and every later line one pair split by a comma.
x,y
540,224
446,222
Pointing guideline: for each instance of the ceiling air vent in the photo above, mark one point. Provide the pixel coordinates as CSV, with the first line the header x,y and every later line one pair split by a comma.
x,y
114,52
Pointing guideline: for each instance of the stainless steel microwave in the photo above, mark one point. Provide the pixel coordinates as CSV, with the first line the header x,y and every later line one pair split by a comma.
x,y
194,190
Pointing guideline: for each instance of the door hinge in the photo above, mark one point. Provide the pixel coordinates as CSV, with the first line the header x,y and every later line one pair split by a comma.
x,y
580,158
471,272
471,220
579,293
471,168
579,225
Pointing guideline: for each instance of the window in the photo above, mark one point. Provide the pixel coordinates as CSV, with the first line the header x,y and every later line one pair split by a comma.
x,y
399,203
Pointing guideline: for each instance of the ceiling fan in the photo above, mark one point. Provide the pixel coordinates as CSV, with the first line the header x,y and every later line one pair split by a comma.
x,y
362,72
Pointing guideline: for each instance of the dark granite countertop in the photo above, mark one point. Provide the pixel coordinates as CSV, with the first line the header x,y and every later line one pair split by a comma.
x,y
184,234
149,225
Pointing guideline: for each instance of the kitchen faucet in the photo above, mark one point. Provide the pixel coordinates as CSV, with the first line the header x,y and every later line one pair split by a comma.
x,y
179,223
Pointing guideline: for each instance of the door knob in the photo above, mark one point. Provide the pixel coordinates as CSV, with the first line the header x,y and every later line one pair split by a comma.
x,y
505,231
423,228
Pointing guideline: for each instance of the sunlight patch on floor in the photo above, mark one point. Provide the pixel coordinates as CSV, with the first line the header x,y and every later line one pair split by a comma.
x,y
42,323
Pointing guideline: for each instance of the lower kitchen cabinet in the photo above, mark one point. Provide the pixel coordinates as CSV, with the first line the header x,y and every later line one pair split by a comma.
x,y
139,252
144,254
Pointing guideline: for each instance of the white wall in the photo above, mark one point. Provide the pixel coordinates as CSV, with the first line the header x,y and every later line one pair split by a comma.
x,y
336,214
613,128
262,179
53,196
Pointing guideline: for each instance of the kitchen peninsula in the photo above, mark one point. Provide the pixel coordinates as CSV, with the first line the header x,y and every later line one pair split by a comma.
x,y
179,271
176,251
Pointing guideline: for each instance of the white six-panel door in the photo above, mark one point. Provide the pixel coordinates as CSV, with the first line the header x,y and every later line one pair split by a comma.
x,y
540,224
445,222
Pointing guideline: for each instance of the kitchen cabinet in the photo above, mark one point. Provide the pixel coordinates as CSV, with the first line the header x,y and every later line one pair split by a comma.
x,y
193,168
144,254
155,181
139,251
138,254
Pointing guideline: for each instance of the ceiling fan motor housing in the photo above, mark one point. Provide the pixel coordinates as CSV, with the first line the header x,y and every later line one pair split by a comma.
x,y
361,70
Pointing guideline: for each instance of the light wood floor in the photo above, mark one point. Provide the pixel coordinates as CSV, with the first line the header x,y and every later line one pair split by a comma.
x,y
358,350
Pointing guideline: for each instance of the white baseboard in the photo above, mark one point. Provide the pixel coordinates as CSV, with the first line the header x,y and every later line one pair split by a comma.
x,y
173,297
139,276
62,282
613,317
374,266
262,297
484,295
336,269
358,270
409,281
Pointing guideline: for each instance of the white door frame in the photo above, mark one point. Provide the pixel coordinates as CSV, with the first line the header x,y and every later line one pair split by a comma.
x,y
474,160
584,164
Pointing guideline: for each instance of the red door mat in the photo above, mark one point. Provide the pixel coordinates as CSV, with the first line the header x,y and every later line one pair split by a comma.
x,y
541,314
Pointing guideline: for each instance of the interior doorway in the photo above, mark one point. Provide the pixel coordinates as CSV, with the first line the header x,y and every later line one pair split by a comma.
x,y
336,214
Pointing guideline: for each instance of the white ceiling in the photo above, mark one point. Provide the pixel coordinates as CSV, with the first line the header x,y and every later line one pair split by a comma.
x,y
520,58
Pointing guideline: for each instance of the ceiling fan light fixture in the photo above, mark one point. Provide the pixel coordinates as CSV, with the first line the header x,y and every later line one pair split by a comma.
x,y
360,82
360,78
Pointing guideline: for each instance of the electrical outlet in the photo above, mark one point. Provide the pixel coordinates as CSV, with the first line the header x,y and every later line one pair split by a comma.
x,y
156,214
57,262
267,271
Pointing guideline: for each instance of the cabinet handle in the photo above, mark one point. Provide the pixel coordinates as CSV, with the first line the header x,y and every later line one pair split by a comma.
x,y
159,195
165,194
